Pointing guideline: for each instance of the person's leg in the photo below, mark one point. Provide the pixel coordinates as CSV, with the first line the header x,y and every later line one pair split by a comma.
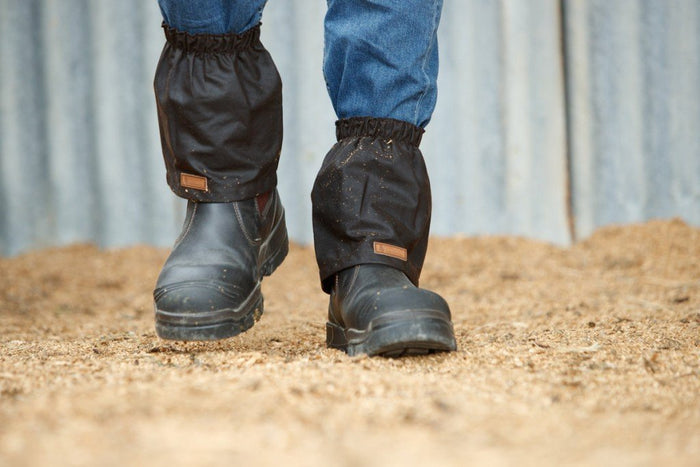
x,y
371,199
219,101
381,58
212,16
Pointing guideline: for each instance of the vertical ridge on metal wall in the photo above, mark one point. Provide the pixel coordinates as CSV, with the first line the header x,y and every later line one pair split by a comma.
x,y
26,219
69,138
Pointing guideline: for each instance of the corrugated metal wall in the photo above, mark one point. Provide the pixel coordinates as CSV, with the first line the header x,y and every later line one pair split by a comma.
x,y
78,136
634,110
496,148
552,117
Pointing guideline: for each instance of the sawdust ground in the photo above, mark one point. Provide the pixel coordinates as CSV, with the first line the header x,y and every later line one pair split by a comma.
x,y
584,355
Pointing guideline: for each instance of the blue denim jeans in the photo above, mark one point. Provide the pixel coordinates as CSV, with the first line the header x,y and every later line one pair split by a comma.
x,y
380,58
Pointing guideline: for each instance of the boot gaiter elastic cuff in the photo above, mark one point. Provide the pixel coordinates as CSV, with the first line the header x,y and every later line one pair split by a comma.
x,y
371,199
219,99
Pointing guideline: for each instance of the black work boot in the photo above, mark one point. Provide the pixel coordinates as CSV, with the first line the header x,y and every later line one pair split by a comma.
x,y
219,101
376,310
371,212
209,287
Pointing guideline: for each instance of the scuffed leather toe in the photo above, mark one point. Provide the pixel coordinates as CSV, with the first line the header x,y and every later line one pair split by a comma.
x,y
376,310
209,287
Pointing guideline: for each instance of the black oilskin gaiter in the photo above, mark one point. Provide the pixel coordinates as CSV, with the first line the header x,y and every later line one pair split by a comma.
x,y
371,199
219,99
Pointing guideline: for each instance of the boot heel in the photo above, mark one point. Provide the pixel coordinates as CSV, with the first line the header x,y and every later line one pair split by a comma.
x,y
335,337
275,248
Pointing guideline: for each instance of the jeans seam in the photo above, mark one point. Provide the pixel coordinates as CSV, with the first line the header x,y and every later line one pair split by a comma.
x,y
431,44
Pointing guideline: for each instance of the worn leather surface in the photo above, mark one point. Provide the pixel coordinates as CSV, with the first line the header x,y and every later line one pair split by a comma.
x,y
217,262
364,293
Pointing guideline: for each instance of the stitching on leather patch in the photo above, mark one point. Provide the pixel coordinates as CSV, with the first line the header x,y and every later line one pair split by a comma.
x,y
194,181
390,250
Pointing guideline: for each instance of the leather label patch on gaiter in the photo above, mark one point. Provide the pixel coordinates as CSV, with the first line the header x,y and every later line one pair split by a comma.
x,y
390,250
193,181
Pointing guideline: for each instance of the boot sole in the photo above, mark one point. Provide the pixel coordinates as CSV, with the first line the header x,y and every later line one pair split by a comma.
x,y
395,334
228,322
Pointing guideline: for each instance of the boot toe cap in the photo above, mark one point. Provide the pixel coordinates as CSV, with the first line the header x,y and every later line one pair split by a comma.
x,y
201,296
411,299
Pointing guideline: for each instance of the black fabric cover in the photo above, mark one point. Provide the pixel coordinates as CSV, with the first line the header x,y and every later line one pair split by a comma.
x,y
372,187
219,99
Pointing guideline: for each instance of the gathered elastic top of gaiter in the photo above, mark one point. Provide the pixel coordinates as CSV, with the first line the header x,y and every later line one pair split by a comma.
x,y
212,43
382,128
